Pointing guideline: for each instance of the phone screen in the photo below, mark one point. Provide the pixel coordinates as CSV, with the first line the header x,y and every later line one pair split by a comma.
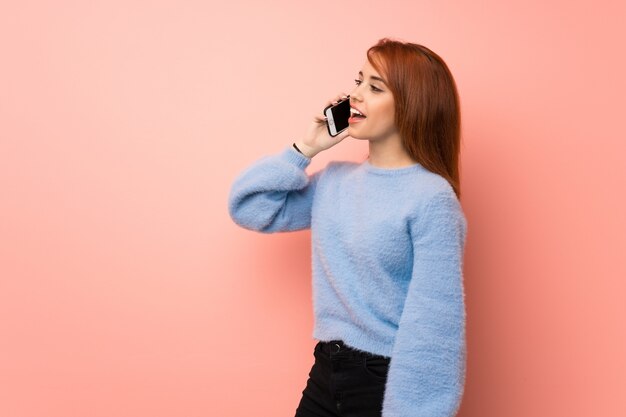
x,y
337,117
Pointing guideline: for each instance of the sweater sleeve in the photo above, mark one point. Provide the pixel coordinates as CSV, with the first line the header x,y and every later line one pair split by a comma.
x,y
274,194
427,370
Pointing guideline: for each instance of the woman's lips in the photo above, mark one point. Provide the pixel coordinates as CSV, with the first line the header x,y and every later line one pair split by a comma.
x,y
354,119
356,115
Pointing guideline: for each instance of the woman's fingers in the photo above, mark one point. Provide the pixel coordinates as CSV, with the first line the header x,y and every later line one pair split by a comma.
x,y
340,97
337,99
342,135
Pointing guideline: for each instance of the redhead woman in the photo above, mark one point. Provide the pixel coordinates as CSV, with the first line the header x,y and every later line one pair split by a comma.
x,y
388,237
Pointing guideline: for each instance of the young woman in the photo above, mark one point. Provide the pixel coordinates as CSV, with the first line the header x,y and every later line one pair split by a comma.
x,y
388,237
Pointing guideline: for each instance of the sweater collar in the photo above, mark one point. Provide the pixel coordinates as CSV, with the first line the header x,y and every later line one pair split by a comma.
x,y
367,166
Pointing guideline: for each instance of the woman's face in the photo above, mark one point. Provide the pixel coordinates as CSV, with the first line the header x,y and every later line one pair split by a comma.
x,y
373,99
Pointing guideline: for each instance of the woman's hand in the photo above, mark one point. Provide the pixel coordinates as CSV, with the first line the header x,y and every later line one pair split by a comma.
x,y
316,138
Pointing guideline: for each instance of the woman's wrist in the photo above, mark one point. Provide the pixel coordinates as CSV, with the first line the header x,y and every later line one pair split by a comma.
x,y
297,149
305,150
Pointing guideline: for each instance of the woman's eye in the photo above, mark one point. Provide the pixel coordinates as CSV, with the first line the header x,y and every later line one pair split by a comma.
x,y
373,88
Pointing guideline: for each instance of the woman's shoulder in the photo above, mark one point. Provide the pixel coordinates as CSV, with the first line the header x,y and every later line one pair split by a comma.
x,y
343,165
434,194
426,186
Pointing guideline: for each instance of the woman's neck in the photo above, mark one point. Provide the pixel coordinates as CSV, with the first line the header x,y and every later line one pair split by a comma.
x,y
389,154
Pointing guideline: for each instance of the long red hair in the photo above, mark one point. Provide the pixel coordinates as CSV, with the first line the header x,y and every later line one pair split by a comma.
x,y
427,110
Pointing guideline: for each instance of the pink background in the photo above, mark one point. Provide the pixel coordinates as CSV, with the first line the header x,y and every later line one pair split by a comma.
x,y
125,288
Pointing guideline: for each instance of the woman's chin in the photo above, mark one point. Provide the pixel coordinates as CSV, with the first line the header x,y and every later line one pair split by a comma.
x,y
353,133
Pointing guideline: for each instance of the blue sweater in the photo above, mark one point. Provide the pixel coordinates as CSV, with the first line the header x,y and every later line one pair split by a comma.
x,y
387,249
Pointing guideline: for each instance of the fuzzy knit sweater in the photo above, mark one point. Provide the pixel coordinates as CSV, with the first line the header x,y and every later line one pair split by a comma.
x,y
387,261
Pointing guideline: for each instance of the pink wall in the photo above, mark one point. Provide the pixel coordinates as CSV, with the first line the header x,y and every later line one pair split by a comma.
x,y
125,289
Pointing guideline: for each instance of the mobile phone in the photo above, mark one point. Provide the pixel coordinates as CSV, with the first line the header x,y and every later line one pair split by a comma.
x,y
337,117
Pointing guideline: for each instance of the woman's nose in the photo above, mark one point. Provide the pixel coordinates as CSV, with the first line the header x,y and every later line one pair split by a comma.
x,y
355,96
